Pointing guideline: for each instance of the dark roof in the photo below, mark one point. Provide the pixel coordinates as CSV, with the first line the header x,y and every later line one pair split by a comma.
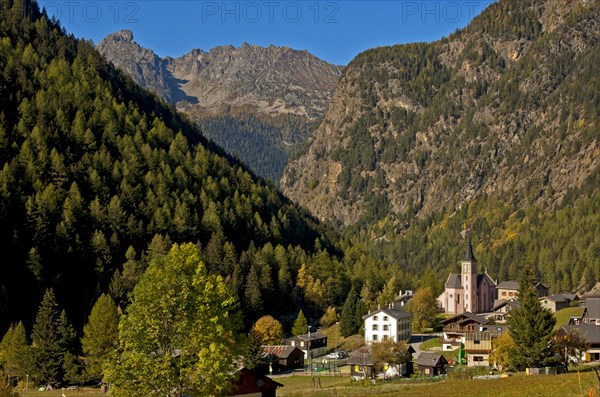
x,y
467,316
481,277
313,336
509,284
430,359
499,303
281,351
555,298
590,332
569,296
360,358
593,306
469,257
396,313
453,281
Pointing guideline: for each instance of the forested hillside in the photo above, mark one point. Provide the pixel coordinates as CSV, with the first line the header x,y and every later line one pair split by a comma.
x,y
260,104
507,108
97,177
495,127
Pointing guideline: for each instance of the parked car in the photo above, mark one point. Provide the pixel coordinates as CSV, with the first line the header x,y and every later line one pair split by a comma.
x,y
337,355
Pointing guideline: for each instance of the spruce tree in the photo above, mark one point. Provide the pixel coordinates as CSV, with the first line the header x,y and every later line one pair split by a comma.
x,y
348,316
17,353
46,342
300,325
531,327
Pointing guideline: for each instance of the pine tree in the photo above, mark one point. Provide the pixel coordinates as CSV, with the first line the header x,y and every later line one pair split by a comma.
x,y
530,326
46,348
100,335
347,318
300,325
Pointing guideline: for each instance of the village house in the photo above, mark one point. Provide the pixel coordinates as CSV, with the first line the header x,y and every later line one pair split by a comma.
x,y
468,291
456,328
591,334
431,364
592,304
283,357
392,322
501,309
579,317
557,302
478,344
510,289
313,344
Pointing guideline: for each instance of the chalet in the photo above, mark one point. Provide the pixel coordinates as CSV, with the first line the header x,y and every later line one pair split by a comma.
x,y
478,344
456,328
592,304
283,357
313,344
501,309
249,383
392,322
431,364
557,302
468,291
591,334
510,289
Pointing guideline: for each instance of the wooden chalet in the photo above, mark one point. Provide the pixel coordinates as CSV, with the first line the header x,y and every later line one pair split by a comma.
x,y
431,364
283,357
249,383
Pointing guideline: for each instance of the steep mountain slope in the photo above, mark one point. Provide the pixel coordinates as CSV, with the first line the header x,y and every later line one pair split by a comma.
x,y
260,104
95,172
508,107
273,80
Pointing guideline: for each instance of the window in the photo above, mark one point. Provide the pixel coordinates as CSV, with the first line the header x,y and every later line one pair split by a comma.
x,y
301,343
476,342
375,318
503,293
385,318
385,327
374,337
457,298
385,337
375,327
478,358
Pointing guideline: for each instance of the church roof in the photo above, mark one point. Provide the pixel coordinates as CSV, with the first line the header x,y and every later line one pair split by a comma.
x,y
453,281
469,257
481,277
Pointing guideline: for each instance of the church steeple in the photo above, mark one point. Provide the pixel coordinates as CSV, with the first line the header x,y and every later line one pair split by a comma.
x,y
469,257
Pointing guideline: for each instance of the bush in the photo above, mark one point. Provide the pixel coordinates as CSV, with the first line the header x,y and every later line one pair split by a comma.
x,y
6,388
463,372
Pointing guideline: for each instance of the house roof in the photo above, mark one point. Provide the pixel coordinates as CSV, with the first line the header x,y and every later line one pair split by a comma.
x,y
593,306
555,298
467,316
396,313
469,257
281,351
304,337
453,281
590,332
508,284
430,359
499,303
247,382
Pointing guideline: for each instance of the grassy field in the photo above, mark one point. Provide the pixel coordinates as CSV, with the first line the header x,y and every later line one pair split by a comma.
x,y
573,384
564,315
520,385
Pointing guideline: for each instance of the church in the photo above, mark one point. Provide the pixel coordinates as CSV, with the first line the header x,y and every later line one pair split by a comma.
x,y
468,291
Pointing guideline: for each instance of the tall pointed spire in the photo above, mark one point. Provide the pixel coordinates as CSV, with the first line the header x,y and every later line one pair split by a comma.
x,y
469,257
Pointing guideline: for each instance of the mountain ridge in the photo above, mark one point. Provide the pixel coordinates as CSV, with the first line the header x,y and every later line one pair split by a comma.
x,y
414,129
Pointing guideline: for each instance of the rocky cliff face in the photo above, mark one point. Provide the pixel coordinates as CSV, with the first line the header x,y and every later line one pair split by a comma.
x,y
273,80
507,107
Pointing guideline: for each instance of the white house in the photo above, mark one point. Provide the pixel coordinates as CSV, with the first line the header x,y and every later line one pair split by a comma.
x,y
392,322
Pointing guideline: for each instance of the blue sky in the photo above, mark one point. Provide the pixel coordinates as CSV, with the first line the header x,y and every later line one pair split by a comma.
x,y
335,31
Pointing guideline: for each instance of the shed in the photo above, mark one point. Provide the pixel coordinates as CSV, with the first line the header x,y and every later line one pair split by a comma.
x,y
283,357
431,364
252,384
